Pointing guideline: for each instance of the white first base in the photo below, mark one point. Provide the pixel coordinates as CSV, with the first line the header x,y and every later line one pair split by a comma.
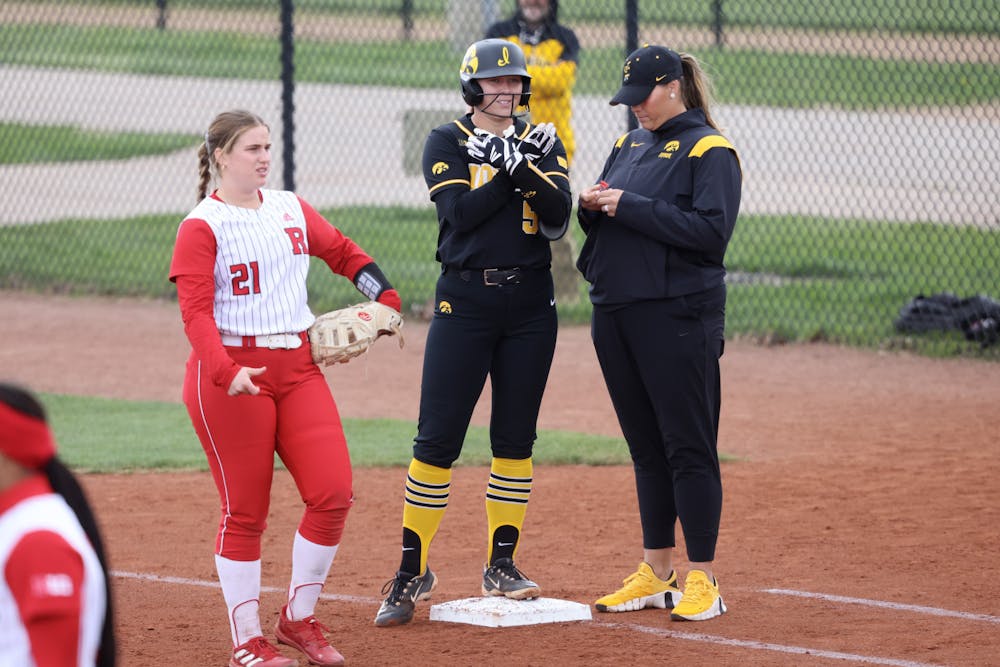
x,y
500,612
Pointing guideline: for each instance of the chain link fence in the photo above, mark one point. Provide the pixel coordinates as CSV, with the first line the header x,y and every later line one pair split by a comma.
x,y
869,133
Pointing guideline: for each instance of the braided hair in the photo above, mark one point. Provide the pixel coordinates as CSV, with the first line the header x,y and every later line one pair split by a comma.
x,y
222,133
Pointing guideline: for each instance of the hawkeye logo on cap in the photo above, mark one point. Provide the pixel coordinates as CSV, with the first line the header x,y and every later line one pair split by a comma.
x,y
444,307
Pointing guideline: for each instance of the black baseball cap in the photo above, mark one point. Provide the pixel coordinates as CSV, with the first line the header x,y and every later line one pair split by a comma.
x,y
645,69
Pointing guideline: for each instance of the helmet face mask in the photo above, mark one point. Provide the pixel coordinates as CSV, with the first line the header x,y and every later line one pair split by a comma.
x,y
490,58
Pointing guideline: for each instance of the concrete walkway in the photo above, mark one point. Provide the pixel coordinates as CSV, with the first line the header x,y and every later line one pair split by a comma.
x,y
939,165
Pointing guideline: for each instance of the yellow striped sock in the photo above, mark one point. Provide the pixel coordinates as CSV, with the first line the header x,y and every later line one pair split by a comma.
x,y
426,498
507,502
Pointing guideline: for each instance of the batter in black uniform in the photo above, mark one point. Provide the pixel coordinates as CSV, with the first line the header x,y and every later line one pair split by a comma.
x,y
657,225
501,189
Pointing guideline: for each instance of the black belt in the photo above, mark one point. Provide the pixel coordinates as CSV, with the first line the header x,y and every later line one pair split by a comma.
x,y
492,277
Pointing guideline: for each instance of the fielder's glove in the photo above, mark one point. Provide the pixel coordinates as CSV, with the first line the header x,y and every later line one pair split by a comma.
x,y
340,335
487,147
539,142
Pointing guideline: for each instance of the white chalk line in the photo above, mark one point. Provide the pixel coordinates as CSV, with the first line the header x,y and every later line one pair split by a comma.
x,y
767,646
673,634
214,584
918,609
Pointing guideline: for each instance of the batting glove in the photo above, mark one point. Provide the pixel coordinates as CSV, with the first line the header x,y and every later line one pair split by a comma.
x,y
539,142
487,147
513,158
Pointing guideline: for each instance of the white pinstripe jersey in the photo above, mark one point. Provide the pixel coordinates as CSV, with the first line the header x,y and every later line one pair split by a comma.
x,y
261,264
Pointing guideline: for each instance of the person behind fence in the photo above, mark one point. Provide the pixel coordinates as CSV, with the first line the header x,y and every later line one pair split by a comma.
x,y
552,51
55,591
501,190
658,223
251,387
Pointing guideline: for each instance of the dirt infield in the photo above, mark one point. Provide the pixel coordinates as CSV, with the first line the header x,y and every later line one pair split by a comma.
x,y
859,525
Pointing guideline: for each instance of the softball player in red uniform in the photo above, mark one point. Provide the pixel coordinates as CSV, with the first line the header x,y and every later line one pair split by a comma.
x,y
501,190
55,601
251,387
658,224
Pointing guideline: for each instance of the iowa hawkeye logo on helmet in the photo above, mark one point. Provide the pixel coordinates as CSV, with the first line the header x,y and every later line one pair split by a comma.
x,y
488,58
470,65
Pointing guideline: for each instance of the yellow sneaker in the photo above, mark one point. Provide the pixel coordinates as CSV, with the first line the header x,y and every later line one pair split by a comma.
x,y
642,589
701,599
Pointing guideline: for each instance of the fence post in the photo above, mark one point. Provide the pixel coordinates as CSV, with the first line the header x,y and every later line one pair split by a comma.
x,y
468,21
631,44
491,14
161,14
406,12
717,22
288,93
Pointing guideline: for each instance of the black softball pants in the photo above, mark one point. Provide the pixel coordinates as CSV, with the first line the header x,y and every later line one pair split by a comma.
x,y
505,331
660,361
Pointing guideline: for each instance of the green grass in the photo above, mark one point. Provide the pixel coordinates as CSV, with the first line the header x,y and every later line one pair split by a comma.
x,y
792,278
846,280
106,435
24,144
741,76
973,16
129,257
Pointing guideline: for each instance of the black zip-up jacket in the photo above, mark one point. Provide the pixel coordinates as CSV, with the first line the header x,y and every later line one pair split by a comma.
x,y
682,184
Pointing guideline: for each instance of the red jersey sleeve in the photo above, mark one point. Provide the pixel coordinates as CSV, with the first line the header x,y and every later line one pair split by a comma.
x,y
194,250
193,269
342,255
45,576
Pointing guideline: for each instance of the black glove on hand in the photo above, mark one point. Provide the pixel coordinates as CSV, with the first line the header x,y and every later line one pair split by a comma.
x,y
487,147
539,142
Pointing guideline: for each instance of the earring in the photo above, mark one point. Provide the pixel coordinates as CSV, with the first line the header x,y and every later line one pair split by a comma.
x,y
672,95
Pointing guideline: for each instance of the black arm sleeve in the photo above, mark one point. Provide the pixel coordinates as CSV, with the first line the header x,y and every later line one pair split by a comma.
x,y
371,282
546,188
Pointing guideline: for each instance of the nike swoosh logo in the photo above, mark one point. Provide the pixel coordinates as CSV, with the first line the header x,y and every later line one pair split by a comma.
x,y
661,77
408,548
505,544
640,143
552,302
495,582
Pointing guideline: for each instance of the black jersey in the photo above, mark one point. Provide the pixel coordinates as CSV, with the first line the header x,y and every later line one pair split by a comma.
x,y
488,218
676,215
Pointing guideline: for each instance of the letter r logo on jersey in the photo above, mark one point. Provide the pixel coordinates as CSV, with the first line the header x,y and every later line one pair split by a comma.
x,y
298,239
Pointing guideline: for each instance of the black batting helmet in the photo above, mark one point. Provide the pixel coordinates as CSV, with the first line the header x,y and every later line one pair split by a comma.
x,y
488,58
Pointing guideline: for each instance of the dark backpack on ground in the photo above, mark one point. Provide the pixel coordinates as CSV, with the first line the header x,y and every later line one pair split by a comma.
x,y
977,317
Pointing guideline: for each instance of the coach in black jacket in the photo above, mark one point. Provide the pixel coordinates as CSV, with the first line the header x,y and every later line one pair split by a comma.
x,y
657,225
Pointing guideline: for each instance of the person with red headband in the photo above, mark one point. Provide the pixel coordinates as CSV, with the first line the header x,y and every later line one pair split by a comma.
x,y
55,597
